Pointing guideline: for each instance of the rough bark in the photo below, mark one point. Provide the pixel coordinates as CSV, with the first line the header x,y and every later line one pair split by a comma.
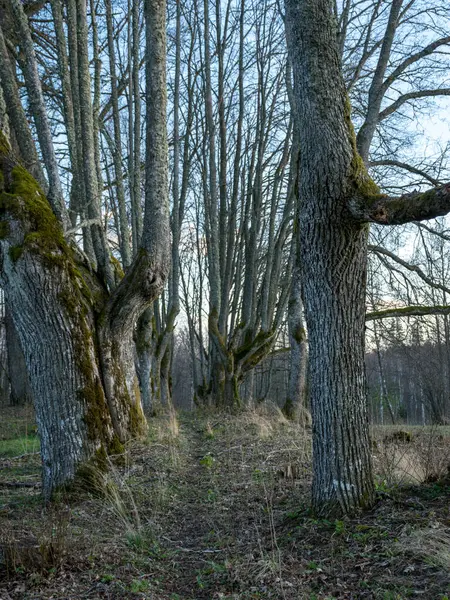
x,y
20,389
17,119
76,334
92,200
38,109
52,309
295,405
125,249
337,200
334,251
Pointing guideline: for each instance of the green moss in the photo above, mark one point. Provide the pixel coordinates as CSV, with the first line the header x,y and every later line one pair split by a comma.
x,y
15,252
26,202
4,229
80,294
299,334
248,345
138,423
116,447
359,176
118,270
5,148
97,414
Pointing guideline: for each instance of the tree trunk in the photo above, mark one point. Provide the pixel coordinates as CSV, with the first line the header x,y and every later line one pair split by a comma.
x,y
334,256
295,405
334,289
76,333
52,307
143,342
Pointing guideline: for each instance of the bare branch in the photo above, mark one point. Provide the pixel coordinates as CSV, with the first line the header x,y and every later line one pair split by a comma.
x,y
411,96
409,267
406,167
407,311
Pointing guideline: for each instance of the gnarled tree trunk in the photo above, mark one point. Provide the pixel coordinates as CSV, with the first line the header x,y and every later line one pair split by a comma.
x,y
77,332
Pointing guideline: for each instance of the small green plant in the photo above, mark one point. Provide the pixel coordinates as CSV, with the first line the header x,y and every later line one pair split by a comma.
x,y
137,541
339,527
211,496
139,585
208,461
257,475
313,566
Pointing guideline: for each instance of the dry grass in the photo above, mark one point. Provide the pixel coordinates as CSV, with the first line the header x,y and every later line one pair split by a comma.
x,y
411,456
431,544
216,506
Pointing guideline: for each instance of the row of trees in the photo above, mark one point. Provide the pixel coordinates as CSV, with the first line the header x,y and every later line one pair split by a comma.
x,y
270,203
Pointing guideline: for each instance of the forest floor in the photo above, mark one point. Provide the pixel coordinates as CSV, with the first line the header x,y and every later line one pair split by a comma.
x,y
216,507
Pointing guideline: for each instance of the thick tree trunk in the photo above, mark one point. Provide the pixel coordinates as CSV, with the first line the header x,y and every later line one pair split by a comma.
x,y
76,334
334,290
81,376
334,255
53,315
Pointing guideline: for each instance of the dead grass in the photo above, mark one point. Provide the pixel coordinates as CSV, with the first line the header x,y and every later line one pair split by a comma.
x,y
216,506
411,455
431,544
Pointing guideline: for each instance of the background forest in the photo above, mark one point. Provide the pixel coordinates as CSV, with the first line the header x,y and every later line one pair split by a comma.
x,y
232,172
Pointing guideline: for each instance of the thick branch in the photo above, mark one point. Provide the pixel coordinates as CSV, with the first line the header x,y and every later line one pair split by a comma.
x,y
416,206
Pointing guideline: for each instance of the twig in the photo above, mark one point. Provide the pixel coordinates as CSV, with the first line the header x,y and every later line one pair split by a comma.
x,y
19,484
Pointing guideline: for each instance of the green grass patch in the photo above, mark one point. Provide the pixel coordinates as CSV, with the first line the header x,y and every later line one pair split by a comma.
x,y
18,446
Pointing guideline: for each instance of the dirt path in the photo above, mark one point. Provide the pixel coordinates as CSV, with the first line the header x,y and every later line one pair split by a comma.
x,y
217,530
190,522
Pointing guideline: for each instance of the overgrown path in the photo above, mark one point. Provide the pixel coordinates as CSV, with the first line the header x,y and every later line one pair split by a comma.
x,y
217,528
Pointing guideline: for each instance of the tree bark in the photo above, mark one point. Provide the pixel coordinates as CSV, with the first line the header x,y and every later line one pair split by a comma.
x,y
20,390
125,249
53,313
38,109
18,123
76,333
334,253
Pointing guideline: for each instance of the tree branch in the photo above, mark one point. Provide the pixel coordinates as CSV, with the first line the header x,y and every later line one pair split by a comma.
x,y
407,311
433,231
409,267
411,96
412,59
406,167
416,206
